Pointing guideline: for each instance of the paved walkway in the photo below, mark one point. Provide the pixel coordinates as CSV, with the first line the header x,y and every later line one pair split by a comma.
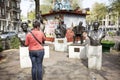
x,y
60,67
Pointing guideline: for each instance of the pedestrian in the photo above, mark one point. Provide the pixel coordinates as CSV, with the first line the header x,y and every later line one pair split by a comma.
x,y
34,40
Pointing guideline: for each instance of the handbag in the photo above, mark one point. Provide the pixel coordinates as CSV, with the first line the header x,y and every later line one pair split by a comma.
x,y
36,39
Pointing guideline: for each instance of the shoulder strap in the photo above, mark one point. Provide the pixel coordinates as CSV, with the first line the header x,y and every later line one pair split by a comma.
x,y
35,38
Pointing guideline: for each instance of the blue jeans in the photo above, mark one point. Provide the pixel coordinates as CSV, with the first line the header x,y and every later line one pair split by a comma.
x,y
36,59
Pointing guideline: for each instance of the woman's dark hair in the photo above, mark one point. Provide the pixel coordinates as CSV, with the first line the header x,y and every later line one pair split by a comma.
x,y
36,24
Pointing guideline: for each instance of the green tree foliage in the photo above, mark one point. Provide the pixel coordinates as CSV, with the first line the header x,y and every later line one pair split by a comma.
x,y
76,3
98,11
115,4
45,8
31,15
14,43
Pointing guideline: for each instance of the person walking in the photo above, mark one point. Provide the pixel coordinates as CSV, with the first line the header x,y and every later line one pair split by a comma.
x,y
34,40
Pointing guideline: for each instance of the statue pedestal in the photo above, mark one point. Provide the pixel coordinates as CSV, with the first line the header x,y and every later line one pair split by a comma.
x,y
47,50
94,57
60,44
76,51
25,59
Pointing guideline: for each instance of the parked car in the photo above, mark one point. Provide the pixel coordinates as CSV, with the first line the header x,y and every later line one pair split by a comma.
x,y
7,35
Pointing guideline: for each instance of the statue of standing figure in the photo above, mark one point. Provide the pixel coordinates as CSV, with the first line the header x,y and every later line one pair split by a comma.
x,y
96,35
78,30
60,31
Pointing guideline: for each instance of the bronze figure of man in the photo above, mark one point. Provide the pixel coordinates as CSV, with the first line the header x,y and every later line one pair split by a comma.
x,y
78,30
96,35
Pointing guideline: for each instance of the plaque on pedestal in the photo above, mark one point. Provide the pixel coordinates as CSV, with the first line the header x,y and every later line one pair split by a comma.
x,y
25,59
76,51
60,44
94,57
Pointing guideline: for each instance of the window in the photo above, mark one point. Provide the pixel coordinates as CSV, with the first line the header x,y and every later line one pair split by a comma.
x,y
13,4
8,3
104,17
3,11
109,16
109,23
18,16
0,12
103,22
18,4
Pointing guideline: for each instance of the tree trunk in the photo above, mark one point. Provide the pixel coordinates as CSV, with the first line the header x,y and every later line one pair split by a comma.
x,y
37,7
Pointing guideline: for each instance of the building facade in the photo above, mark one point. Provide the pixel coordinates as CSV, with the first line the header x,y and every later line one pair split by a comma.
x,y
10,15
111,21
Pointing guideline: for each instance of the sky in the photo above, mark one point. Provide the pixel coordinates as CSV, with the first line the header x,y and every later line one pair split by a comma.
x,y
27,6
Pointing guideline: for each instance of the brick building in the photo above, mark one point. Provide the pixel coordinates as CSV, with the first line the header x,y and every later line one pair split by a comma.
x,y
10,15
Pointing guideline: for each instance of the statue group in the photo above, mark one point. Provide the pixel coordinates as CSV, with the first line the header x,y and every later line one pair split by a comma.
x,y
62,5
95,35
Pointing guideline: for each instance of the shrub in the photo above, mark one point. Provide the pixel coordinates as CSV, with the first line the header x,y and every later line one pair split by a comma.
x,y
108,42
111,33
14,42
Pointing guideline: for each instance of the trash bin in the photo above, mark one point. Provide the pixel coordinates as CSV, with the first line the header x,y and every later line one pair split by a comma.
x,y
106,47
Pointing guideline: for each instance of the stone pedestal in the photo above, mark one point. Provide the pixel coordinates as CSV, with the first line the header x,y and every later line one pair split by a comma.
x,y
94,57
47,51
25,59
77,52
60,44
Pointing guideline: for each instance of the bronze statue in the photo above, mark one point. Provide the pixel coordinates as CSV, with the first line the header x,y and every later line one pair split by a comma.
x,y
78,30
60,31
24,27
96,35
22,34
39,17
